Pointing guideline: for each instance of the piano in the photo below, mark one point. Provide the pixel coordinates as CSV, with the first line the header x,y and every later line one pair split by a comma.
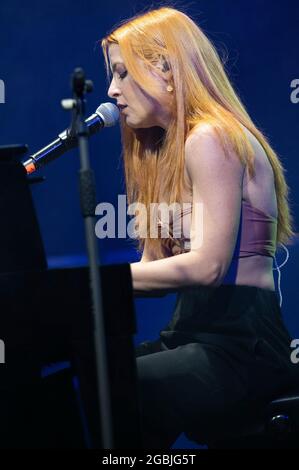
x,y
46,318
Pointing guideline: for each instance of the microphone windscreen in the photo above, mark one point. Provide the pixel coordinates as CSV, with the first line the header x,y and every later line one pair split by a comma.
x,y
109,112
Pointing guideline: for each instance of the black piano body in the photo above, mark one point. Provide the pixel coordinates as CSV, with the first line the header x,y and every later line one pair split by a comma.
x,y
46,318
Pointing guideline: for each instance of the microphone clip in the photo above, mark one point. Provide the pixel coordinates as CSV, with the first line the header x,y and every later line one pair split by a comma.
x,y
80,85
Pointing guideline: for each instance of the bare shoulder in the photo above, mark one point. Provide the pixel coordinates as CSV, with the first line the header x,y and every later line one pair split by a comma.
x,y
204,150
199,131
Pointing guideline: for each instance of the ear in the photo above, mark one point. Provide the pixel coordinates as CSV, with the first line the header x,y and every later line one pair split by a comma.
x,y
165,65
165,68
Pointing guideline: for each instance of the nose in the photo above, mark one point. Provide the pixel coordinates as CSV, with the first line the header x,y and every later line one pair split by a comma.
x,y
113,90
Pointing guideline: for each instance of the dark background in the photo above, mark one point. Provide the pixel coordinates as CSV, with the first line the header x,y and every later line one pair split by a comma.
x,y
40,45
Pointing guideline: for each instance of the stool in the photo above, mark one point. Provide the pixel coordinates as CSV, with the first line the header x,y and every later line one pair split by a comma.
x,y
272,425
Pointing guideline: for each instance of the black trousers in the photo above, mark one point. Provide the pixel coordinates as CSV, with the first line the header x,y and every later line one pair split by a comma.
x,y
225,353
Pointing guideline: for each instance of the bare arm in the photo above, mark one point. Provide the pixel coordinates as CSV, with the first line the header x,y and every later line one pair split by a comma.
x,y
217,185
147,256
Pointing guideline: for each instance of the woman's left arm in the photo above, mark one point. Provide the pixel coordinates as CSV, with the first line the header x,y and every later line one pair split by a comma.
x,y
217,193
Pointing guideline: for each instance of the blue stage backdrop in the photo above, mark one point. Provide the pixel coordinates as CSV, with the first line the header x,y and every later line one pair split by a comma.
x,y
42,42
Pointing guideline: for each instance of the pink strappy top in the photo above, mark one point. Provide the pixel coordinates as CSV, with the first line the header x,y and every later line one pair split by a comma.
x,y
257,234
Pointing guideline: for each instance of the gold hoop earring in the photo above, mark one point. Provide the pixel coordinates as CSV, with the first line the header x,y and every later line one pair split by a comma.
x,y
169,88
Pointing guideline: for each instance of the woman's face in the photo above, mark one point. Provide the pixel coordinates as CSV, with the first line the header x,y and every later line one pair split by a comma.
x,y
142,110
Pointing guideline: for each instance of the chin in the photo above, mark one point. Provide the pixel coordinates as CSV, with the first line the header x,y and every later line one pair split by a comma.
x,y
136,125
139,124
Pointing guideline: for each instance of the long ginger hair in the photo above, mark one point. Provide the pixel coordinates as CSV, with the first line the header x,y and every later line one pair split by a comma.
x,y
154,157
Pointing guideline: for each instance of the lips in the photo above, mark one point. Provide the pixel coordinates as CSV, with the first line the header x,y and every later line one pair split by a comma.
x,y
122,109
122,106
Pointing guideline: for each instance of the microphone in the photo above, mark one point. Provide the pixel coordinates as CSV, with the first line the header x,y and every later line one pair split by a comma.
x,y
106,115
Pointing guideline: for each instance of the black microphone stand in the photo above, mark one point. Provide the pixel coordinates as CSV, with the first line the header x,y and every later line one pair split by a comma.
x,y
88,204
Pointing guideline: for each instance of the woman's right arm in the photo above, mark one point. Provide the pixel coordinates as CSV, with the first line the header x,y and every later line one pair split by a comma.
x,y
147,256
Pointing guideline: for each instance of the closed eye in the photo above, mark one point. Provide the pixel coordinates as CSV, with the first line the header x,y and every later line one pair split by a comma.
x,y
123,75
